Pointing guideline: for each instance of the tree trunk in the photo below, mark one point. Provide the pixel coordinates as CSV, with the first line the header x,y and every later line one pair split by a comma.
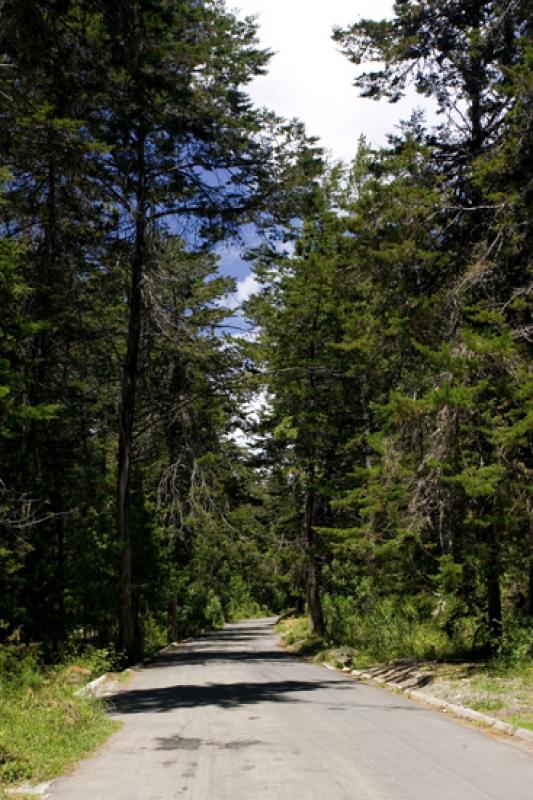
x,y
314,603
494,598
173,620
60,578
530,587
54,466
127,630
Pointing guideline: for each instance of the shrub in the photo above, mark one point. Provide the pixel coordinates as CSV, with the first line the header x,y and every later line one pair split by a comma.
x,y
386,631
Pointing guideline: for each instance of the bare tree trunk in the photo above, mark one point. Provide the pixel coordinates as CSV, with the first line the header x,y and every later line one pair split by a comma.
x,y
314,603
530,576
127,630
494,597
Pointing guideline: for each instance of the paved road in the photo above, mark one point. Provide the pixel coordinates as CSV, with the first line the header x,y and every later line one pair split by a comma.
x,y
232,717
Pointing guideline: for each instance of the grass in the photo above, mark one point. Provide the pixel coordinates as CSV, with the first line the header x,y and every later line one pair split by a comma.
x,y
294,632
121,677
44,726
487,705
497,688
518,722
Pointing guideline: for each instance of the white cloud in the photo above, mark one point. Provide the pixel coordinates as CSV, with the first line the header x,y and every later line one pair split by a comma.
x,y
310,79
245,289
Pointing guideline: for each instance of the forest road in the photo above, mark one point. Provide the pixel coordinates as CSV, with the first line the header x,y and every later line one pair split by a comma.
x,y
231,716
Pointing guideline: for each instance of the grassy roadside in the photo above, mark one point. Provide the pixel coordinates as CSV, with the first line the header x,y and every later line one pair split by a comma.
x,y
44,726
502,690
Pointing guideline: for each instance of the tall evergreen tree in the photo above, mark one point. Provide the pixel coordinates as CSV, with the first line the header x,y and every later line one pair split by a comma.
x,y
184,144
300,325
52,208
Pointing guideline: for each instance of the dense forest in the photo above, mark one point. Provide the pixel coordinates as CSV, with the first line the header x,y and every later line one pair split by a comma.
x,y
384,386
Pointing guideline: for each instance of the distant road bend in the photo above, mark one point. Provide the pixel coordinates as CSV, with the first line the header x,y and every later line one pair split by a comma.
x,y
232,717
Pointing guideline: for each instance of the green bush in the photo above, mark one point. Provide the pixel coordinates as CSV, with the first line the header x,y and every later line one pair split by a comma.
x,y
214,613
517,641
386,631
97,660
295,630
20,667
153,634
240,604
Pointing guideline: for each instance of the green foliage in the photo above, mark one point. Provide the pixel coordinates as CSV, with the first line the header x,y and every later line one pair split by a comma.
x,y
408,395
390,475
94,661
20,667
131,149
386,631
214,615
241,604
294,630
481,482
45,726
516,647
153,633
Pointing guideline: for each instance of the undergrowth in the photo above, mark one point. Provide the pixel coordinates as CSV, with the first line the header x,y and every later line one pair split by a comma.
x,y
44,725
501,686
391,632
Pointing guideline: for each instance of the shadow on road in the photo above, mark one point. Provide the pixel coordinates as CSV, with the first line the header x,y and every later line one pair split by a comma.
x,y
250,631
201,656
230,645
223,695
179,742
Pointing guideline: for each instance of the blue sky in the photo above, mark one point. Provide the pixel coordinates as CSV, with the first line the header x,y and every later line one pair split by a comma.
x,y
309,79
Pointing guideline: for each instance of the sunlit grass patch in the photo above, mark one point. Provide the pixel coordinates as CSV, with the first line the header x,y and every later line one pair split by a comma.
x,y
519,722
44,726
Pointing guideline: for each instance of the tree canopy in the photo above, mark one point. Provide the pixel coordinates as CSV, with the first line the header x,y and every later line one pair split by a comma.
x,y
385,484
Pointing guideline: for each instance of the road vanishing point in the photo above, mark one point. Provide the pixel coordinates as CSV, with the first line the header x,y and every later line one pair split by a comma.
x,y
231,716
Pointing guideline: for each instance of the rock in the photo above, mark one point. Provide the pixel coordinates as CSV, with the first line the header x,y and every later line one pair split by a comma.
x,y
427,698
524,733
503,727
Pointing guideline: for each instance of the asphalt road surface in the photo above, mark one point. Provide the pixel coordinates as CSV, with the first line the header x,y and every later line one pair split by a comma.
x,y
232,717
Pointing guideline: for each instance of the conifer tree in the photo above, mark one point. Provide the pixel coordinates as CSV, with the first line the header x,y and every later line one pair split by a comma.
x,y
52,209
185,145
301,329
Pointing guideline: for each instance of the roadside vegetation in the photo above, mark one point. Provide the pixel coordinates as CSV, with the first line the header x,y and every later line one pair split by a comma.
x,y
365,455
501,686
45,726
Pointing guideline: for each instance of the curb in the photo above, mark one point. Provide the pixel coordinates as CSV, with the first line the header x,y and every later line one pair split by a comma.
x,y
94,687
38,791
447,708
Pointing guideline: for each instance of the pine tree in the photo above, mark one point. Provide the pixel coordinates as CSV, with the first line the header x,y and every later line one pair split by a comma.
x,y
52,209
184,149
301,328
